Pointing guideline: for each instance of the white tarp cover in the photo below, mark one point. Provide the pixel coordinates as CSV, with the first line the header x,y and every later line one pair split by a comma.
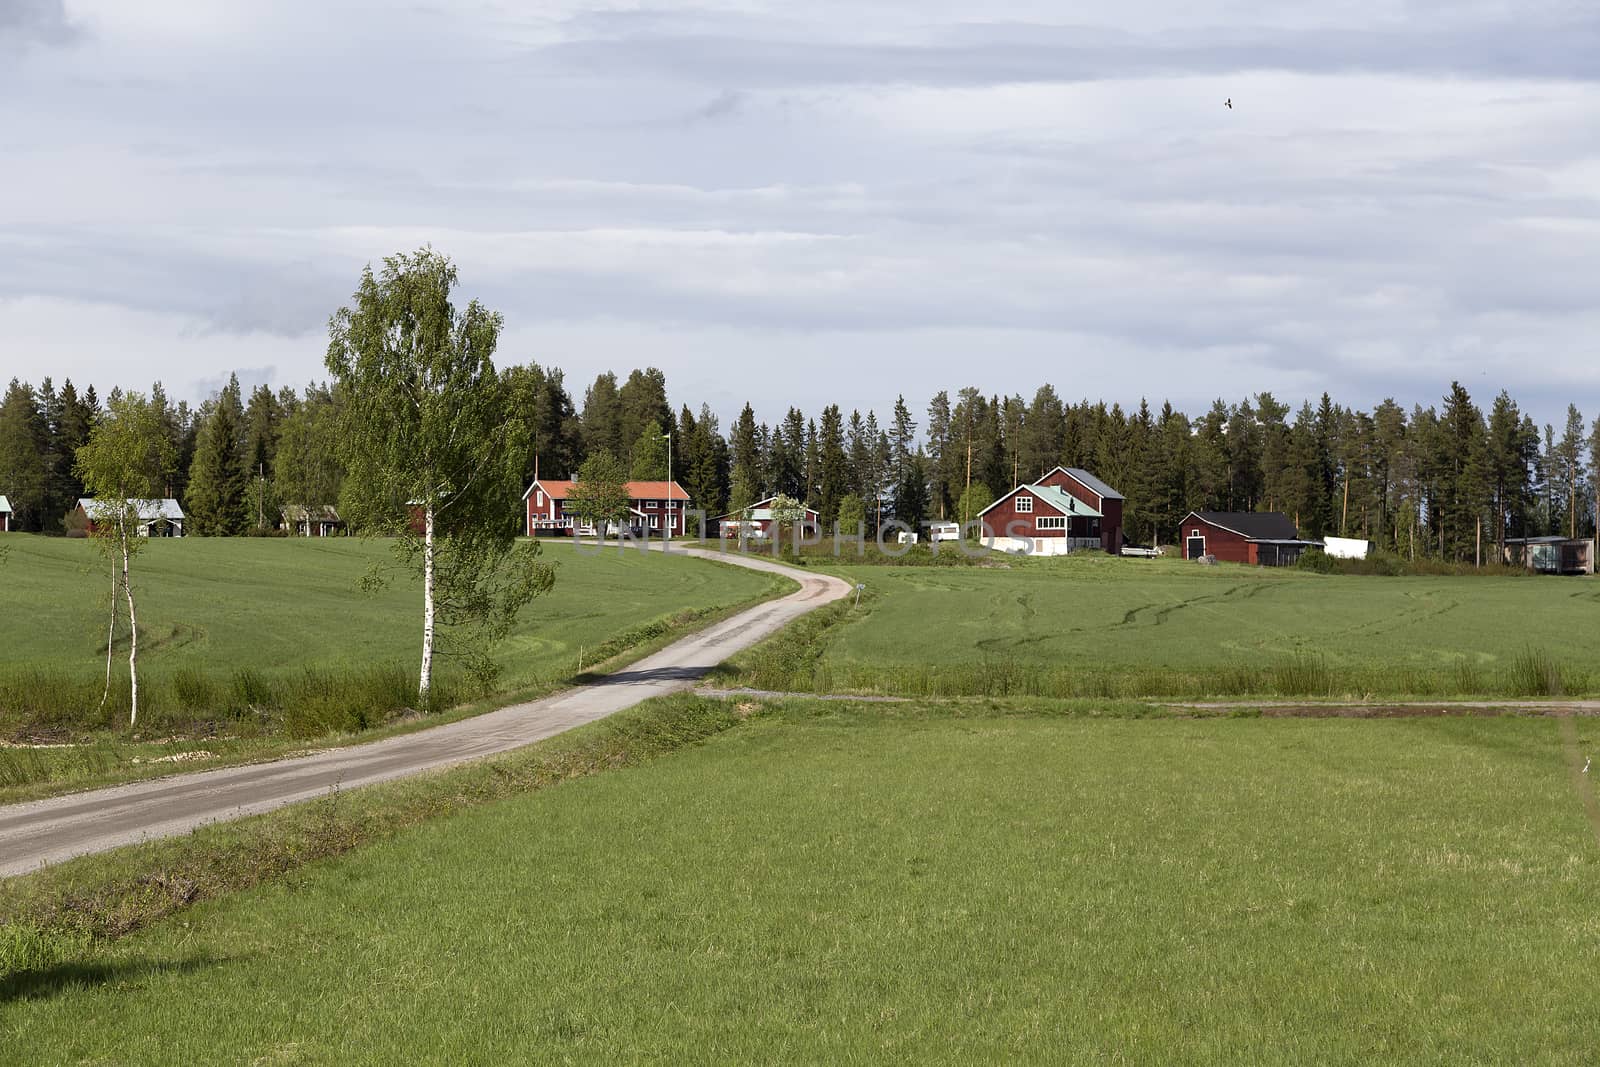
x,y
1346,547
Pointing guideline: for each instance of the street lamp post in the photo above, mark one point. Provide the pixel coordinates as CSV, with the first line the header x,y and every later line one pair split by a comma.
x,y
668,436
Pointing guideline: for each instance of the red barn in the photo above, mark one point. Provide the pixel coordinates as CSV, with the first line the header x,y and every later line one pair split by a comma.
x,y
654,507
1259,538
1065,510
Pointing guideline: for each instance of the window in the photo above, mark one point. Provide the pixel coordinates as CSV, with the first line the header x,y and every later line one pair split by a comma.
x,y
1050,522
1024,505
538,499
655,522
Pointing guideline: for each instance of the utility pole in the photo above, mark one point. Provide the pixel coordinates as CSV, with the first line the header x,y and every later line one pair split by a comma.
x,y
261,497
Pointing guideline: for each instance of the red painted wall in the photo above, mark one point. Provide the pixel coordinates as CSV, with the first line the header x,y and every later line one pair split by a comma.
x,y
1226,545
1110,525
998,523
551,509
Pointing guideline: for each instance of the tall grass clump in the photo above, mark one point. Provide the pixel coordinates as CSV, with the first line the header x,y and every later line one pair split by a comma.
x,y
30,766
321,702
194,691
34,699
1302,674
249,690
25,947
1535,673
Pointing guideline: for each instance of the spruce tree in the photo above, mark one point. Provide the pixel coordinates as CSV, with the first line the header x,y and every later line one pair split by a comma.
x,y
832,466
216,498
902,438
602,418
23,473
1569,459
1044,428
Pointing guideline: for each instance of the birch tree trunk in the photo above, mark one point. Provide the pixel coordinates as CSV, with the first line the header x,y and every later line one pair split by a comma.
x,y
111,632
427,606
133,635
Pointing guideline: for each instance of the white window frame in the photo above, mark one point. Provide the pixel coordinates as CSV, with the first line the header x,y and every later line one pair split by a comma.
x,y
538,499
1024,505
1050,522
654,521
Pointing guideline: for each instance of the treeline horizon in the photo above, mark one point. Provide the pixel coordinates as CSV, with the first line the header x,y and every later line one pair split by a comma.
x,y
1441,481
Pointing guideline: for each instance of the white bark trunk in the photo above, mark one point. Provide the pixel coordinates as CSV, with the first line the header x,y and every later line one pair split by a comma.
x,y
111,632
133,636
427,607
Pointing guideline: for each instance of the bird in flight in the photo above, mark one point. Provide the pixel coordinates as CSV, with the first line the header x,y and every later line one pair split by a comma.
x,y
1228,103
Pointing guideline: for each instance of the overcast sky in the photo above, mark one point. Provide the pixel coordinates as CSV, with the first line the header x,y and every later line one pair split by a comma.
x,y
829,201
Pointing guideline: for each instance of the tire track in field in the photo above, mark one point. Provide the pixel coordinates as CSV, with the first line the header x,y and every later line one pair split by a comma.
x,y
1580,781
1426,608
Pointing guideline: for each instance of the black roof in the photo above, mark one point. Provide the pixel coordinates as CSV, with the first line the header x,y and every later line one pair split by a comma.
x,y
1253,525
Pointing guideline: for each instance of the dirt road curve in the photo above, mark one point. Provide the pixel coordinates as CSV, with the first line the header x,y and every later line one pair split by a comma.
x,y
48,831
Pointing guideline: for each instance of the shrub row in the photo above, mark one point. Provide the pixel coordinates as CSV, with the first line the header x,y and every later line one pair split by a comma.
x,y
302,704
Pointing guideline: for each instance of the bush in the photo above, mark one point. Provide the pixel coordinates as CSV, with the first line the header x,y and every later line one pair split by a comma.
x,y
1317,561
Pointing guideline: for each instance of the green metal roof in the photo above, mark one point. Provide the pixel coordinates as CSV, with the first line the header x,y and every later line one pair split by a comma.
x,y
1063,502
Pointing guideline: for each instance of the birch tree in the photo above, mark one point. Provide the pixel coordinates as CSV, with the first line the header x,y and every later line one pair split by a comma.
x,y
600,495
433,450
122,467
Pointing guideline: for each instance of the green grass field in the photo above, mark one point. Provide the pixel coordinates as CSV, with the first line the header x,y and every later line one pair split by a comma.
x,y
894,883
1097,626
289,610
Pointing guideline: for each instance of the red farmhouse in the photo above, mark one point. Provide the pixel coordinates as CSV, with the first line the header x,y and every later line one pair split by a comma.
x,y
1065,510
654,507
1263,538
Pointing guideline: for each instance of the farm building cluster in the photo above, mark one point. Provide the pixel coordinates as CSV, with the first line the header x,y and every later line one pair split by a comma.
x,y
1064,510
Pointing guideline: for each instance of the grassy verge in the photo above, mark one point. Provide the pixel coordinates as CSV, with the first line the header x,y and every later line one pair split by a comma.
x,y
110,757
796,661
854,883
55,915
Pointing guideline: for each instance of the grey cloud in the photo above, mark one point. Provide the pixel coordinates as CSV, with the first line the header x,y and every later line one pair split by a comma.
x,y
36,22
138,271
724,103
1567,48
249,378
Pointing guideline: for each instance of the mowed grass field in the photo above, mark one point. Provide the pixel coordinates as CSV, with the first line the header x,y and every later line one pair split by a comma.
x,y
1097,626
900,883
280,608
